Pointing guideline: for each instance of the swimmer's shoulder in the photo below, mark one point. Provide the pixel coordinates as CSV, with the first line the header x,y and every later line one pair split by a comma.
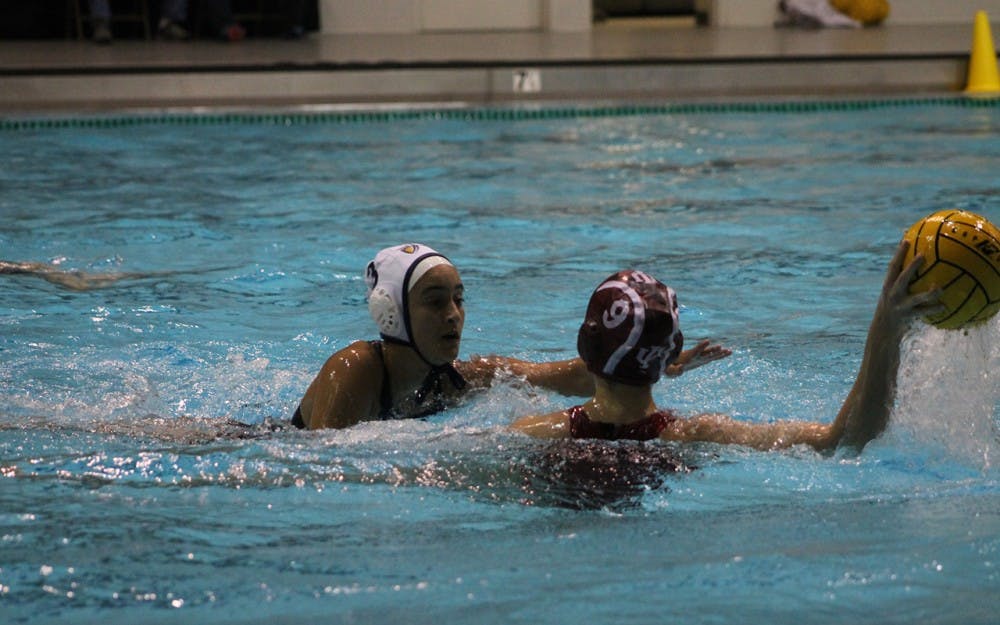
x,y
348,383
360,359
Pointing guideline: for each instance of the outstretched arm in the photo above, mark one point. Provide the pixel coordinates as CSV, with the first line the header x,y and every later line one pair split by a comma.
x,y
570,377
71,279
723,429
865,412
567,377
76,280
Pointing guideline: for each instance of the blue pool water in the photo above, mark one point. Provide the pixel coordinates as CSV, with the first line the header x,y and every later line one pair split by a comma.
x,y
126,496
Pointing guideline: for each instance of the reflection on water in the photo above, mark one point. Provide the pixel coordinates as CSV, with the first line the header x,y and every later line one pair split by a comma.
x,y
589,475
487,466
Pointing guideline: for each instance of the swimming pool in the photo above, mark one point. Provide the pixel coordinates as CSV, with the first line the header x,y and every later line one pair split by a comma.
x,y
125,496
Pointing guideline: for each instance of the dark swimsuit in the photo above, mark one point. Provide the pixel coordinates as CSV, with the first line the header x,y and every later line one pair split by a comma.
x,y
580,426
432,386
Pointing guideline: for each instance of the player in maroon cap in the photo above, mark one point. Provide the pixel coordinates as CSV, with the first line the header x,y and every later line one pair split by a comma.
x,y
631,332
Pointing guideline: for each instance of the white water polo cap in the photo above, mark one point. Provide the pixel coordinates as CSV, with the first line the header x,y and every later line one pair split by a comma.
x,y
390,277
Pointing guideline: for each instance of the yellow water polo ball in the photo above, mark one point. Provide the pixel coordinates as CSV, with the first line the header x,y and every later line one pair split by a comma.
x,y
868,12
961,253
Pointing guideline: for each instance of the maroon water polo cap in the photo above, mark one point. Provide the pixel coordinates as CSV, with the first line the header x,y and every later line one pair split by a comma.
x,y
631,331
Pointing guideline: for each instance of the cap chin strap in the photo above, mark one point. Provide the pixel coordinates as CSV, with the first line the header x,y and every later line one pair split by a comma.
x,y
456,378
413,275
433,381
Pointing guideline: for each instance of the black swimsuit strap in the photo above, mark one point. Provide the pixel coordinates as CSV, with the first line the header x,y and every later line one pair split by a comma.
x,y
432,386
385,394
434,382
297,419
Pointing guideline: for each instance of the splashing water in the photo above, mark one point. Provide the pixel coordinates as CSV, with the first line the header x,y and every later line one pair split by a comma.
x,y
949,393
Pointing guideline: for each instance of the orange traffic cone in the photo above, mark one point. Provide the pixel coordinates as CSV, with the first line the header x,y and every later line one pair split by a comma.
x,y
983,76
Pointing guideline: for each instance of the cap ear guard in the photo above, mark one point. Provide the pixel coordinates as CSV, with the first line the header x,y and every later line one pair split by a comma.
x,y
383,309
381,306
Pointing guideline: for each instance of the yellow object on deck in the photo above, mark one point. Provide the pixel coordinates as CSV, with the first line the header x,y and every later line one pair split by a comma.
x,y
983,77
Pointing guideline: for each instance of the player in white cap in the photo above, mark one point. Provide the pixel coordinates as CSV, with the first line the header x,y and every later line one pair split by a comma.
x,y
415,296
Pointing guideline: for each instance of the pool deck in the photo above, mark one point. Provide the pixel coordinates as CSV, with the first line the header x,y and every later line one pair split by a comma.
x,y
627,60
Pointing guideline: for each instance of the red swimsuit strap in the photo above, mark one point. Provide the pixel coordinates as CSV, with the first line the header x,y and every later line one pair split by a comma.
x,y
647,428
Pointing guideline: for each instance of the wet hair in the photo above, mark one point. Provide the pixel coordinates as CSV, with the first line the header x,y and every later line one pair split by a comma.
x,y
631,331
